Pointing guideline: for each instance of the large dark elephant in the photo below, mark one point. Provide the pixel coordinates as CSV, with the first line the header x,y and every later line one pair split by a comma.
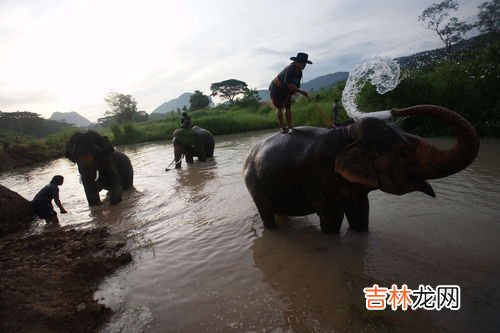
x,y
195,142
331,171
100,166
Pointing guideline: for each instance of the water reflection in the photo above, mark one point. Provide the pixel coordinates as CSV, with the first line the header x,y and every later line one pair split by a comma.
x,y
191,181
321,277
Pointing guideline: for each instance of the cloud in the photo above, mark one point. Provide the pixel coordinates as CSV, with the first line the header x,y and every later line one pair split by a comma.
x,y
68,55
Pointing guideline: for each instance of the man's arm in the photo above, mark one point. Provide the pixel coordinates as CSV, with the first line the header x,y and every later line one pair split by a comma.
x,y
289,75
58,202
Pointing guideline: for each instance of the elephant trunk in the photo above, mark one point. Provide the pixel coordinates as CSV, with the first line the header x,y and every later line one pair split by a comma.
x,y
437,163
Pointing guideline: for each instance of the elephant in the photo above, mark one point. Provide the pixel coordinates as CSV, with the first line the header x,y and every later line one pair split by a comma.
x,y
100,166
195,142
331,171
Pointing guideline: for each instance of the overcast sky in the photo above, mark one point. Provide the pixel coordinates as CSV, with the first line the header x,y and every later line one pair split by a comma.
x,y
67,55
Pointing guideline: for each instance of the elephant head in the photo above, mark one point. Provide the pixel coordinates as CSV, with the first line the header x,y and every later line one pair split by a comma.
x,y
92,153
396,162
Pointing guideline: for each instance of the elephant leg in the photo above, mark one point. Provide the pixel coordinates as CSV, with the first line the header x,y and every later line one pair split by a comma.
x,y
267,215
116,187
202,155
115,198
92,194
115,194
357,213
265,209
189,158
331,217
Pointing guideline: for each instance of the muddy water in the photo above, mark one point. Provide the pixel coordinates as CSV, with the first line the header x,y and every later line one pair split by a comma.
x,y
204,263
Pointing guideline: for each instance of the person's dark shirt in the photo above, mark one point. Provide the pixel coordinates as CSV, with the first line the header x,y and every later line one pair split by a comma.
x,y
335,112
46,194
289,75
186,122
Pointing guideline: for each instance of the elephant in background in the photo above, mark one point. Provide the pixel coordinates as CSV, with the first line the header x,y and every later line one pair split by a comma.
x,y
100,166
331,171
194,142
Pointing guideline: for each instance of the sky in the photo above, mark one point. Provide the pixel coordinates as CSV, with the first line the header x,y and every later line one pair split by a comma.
x,y
67,55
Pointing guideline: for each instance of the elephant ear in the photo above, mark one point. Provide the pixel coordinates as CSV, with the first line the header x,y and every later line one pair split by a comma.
x,y
70,148
105,146
68,153
355,164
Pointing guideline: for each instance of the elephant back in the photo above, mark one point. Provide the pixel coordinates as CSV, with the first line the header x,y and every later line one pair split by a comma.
x,y
207,140
185,137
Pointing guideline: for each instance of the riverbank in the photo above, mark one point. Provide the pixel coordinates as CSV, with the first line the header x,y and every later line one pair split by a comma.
x,y
48,280
19,155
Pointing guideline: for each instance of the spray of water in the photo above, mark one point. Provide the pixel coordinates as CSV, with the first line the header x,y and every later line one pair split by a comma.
x,y
383,73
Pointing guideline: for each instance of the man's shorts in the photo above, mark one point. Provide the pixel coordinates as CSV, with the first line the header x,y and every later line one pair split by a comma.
x,y
281,100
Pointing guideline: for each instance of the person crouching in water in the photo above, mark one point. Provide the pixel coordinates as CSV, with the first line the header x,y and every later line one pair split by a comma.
x,y
42,202
286,84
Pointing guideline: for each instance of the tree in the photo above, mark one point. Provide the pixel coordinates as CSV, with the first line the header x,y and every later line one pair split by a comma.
x,y
450,31
198,101
141,116
250,98
123,107
489,16
228,89
106,121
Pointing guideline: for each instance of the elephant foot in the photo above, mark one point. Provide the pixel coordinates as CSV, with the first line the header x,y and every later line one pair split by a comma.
x,y
270,224
359,229
268,219
115,199
94,202
330,220
357,213
330,228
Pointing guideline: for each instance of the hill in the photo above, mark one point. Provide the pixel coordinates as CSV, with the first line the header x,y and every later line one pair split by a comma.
x,y
72,118
324,81
177,103
431,57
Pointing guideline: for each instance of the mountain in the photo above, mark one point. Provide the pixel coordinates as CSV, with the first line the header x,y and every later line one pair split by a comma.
x,y
316,84
177,103
72,118
324,81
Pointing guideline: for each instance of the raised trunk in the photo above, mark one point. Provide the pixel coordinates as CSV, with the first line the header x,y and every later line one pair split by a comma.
x,y
437,163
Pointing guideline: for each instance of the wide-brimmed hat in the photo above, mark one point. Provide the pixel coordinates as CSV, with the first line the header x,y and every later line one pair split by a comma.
x,y
301,57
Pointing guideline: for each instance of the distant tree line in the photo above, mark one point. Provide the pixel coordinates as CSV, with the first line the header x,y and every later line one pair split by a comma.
x,y
29,123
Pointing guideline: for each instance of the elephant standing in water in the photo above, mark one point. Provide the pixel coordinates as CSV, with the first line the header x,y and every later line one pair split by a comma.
x,y
195,142
100,166
331,171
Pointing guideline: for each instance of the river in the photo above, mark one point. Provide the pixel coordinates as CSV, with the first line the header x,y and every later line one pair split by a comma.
x,y
204,263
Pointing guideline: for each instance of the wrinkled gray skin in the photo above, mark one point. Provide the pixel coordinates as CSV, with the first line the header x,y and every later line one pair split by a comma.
x,y
331,171
93,152
203,147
